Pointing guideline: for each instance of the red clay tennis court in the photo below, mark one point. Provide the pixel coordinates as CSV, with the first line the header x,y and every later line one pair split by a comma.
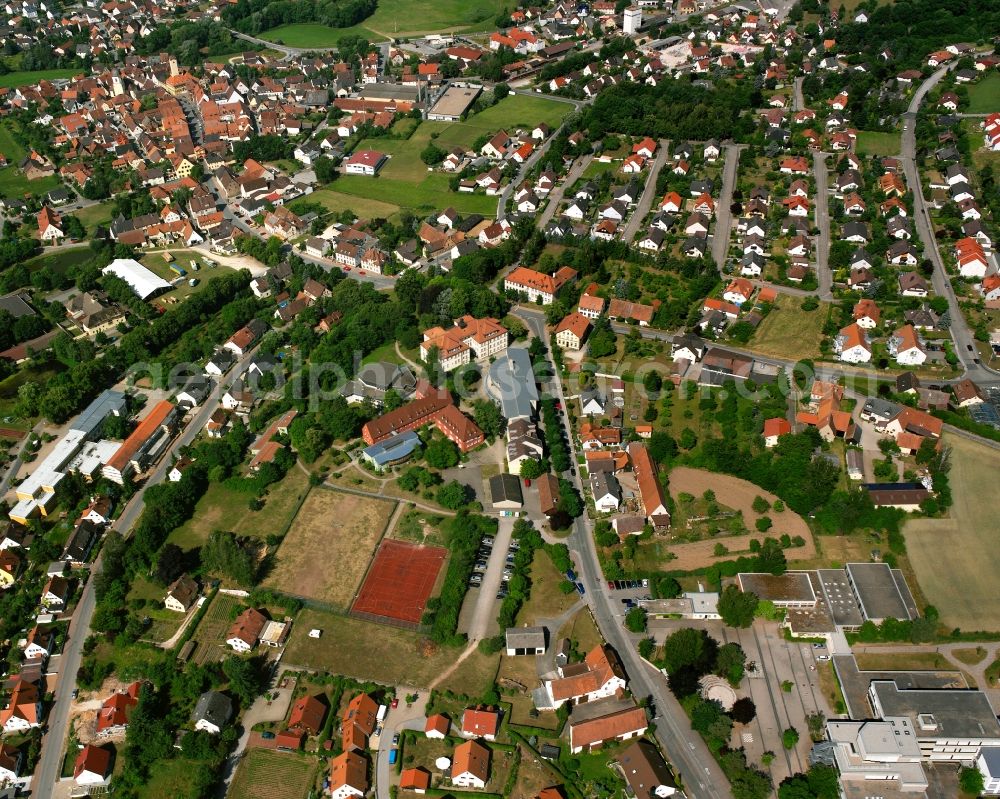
x,y
400,581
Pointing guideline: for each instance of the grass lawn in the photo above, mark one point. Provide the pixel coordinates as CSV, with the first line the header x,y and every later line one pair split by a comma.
x,y
366,651
474,677
13,183
970,656
598,168
363,208
518,677
958,579
903,661
170,778
420,527
582,630
404,158
10,146
62,259
877,143
432,193
790,332
266,774
331,525
984,95
94,215
224,509
546,601
14,79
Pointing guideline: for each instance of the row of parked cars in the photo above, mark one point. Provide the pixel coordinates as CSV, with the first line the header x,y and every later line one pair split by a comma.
x,y
482,563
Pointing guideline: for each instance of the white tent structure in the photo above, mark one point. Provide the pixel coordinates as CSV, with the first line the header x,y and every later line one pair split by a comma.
x,y
142,281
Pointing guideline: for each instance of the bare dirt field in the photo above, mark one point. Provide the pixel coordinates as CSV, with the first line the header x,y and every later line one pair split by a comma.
x,y
956,559
331,527
738,495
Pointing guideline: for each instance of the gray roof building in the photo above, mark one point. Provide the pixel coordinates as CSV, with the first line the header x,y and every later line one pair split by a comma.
x,y
938,713
511,383
881,592
505,489
526,640
213,711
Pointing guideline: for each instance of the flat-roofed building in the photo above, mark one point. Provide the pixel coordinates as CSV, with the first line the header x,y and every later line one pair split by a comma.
x,y
788,590
949,725
881,592
453,103
878,752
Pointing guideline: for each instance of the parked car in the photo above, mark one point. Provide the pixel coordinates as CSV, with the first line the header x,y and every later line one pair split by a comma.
x,y
395,739
527,482
267,736
571,575
581,589
392,757
395,704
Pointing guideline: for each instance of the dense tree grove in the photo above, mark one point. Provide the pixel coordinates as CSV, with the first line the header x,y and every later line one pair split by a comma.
x,y
675,109
257,16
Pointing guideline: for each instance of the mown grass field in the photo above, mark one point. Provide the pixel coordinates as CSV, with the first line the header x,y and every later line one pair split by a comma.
x,y
62,259
266,774
984,95
340,528
956,559
13,183
790,332
14,79
170,778
94,215
222,508
396,19
363,208
431,194
367,651
877,143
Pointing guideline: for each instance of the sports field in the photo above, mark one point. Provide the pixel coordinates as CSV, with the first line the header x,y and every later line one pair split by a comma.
x,y
956,560
266,774
400,581
329,546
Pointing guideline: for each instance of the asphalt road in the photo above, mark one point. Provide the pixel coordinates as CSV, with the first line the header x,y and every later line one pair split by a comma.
x,y
723,216
556,195
641,210
412,717
822,205
965,343
702,777
50,761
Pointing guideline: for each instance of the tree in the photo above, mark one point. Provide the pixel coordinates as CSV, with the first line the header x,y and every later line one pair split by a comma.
x,y
736,607
652,382
817,725
761,505
245,678
441,453
689,647
743,711
170,564
531,469
325,169
789,738
635,620
486,415
452,495
764,524
432,155
688,439
970,780
730,662
662,447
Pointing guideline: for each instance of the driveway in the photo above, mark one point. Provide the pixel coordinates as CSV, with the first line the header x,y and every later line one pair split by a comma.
x,y
262,710
823,274
556,195
404,717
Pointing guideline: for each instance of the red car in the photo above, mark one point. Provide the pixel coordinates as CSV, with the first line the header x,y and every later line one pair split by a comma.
x,y
395,703
527,482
